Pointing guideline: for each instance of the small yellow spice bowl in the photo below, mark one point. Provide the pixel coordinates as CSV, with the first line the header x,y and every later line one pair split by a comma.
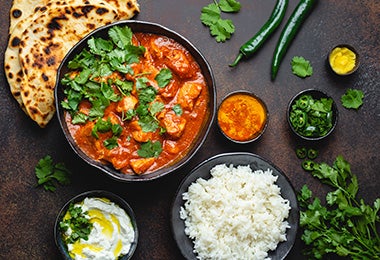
x,y
343,59
242,117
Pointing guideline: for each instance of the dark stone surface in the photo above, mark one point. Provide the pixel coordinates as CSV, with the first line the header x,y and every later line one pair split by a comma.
x,y
27,213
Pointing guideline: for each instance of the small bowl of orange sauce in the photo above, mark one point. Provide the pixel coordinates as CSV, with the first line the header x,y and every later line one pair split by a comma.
x,y
242,117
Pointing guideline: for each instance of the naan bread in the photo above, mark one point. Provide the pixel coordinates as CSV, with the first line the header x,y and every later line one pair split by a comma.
x,y
12,66
43,46
46,30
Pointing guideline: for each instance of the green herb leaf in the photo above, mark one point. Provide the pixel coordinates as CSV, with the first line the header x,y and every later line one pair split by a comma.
x,y
346,226
163,77
177,109
78,223
121,36
229,6
301,67
150,149
221,29
49,174
210,14
353,98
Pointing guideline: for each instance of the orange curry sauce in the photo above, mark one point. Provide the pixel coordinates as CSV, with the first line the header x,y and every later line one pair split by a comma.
x,y
187,88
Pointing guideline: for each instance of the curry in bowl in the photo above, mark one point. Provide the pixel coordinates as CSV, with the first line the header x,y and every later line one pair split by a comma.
x,y
138,101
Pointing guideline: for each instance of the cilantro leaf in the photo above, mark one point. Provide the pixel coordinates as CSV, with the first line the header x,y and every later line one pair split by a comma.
x,y
301,67
221,29
48,173
346,226
353,98
150,149
229,6
210,14
163,77
121,36
177,109
78,223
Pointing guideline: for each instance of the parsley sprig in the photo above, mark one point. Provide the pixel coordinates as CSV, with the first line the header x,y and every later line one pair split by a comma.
x,y
50,174
346,226
221,29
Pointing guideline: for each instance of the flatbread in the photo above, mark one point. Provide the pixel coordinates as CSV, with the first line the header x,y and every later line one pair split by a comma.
x,y
43,46
12,67
41,35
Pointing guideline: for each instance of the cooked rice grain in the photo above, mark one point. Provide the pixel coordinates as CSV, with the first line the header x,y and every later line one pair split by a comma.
x,y
236,214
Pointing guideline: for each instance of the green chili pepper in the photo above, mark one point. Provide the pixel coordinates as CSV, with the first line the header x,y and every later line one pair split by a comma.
x,y
301,153
308,165
289,32
312,153
253,44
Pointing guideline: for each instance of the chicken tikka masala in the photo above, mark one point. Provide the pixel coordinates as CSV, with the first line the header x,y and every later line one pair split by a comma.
x,y
135,100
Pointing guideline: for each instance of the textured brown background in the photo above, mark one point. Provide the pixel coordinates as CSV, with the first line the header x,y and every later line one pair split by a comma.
x,y
27,213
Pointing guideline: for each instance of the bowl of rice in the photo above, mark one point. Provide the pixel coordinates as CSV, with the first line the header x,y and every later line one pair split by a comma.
x,y
235,206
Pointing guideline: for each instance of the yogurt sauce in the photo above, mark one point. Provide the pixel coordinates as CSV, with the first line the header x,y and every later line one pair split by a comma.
x,y
112,233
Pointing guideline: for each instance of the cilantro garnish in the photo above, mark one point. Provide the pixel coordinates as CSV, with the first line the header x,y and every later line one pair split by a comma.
x,y
163,77
150,149
102,126
301,67
100,59
353,98
177,109
346,226
221,29
48,173
78,223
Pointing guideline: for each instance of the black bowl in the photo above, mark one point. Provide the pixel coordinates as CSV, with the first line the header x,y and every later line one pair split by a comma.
x,y
255,162
258,134
147,27
95,194
316,94
357,60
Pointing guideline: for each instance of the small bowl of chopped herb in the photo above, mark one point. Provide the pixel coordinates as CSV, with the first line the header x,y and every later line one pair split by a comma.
x,y
96,225
312,115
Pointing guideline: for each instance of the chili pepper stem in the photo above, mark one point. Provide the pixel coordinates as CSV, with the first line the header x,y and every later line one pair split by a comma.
x,y
236,61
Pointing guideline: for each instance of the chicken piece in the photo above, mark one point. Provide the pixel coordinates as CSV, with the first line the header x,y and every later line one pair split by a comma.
x,y
171,147
126,103
174,124
170,90
177,61
141,165
188,94
138,134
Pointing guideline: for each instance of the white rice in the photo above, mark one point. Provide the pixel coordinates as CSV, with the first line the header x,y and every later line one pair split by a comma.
x,y
236,214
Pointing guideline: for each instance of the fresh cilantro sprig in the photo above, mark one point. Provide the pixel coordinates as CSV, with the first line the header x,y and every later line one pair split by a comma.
x,y
150,149
99,60
50,174
346,226
78,223
301,67
353,98
221,29
164,77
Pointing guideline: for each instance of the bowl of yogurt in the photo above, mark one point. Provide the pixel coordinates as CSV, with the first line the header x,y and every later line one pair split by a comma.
x,y
96,225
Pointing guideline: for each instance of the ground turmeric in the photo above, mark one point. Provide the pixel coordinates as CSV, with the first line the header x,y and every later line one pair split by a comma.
x,y
242,117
